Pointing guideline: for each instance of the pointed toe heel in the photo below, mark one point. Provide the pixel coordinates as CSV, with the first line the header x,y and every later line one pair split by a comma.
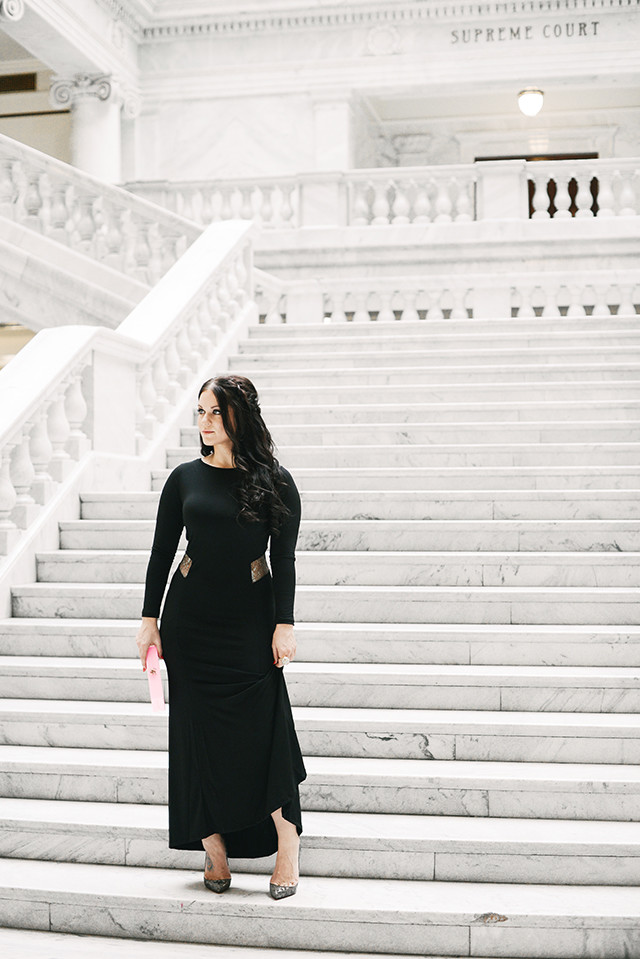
x,y
282,892
217,885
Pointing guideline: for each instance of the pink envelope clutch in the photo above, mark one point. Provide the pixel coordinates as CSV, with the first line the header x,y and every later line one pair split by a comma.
x,y
155,680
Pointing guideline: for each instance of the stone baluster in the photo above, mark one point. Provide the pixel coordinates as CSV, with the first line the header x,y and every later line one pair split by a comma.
x,y
550,308
206,206
606,196
583,196
601,304
172,366
84,223
41,452
626,307
147,393
628,200
562,199
361,312
185,355
337,313
59,214
59,433
380,206
575,308
359,207
421,204
286,209
141,440
22,475
409,312
443,202
526,310
195,339
400,206
168,248
385,313
206,321
8,190
32,199
266,207
540,197
434,309
8,498
241,294
463,201
226,212
246,209
141,250
76,411
220,310
156,258
458,309
161,382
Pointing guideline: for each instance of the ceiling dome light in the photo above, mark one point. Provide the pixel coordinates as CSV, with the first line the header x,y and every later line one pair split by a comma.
x,y
530,101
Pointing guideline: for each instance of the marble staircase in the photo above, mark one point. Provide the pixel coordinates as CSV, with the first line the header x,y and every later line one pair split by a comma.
x,y
467,690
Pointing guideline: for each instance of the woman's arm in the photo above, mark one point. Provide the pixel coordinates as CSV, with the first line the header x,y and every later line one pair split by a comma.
x,y
282,553
169,524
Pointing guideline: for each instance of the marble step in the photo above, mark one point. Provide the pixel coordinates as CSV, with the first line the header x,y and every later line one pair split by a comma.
x,y
506,412
401,686
478,919
466,327
439,394
350,732
389,535
457,478
384,643
329,434
399,376
400,357
408,505
341,845
361,604
388,339
585,454
529,790
369,568
34,944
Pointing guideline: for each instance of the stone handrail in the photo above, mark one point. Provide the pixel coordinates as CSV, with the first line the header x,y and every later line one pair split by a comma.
x,y
412,298
76,389
394,196
104,222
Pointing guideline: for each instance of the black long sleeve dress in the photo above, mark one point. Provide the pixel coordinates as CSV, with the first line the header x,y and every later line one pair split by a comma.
x,y
234,755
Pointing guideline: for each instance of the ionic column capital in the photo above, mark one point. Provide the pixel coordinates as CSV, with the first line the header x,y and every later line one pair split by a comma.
x,y
66,92
11,10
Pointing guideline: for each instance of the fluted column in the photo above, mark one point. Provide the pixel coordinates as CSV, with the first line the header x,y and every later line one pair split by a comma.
x,y
96,140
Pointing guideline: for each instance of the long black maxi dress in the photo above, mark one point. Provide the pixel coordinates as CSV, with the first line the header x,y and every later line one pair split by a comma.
x,y
234,756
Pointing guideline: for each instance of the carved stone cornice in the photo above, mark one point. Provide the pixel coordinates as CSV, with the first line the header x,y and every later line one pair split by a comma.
x,y
138,18
11,10
64,93
369,15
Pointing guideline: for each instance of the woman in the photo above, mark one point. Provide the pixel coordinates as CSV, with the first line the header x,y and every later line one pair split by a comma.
x,y
226,634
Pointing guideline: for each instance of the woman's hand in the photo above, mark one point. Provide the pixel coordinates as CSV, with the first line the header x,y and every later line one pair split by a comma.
x,y
283,645
148,635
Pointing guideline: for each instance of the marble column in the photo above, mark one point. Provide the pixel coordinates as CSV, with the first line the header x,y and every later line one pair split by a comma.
x,y
96,139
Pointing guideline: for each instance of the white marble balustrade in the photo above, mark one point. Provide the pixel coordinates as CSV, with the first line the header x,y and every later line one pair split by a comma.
x,y
128,234
411,298
75,389
411,195
585,188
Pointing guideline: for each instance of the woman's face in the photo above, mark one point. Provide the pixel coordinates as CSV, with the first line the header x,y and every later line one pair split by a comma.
x,y
210,422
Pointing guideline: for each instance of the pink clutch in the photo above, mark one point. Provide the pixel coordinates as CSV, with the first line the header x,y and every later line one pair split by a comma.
x,y
155,680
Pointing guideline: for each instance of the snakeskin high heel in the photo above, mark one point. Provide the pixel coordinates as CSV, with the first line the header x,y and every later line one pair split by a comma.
x,y
282,892
217,885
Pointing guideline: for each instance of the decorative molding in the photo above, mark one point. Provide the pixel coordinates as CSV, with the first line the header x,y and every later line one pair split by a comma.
x,y
63,93
403,12
11,10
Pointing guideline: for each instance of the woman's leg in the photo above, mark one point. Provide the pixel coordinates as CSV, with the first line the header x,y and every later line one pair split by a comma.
x,y
286,869
215,860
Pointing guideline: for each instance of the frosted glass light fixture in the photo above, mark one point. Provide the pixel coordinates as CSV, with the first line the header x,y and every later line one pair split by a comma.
x,y
530,101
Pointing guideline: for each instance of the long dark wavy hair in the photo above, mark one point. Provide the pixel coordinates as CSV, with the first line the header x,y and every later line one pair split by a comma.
x,y
252,447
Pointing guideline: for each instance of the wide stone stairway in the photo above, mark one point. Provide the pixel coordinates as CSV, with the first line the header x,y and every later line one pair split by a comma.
x,y
467,688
